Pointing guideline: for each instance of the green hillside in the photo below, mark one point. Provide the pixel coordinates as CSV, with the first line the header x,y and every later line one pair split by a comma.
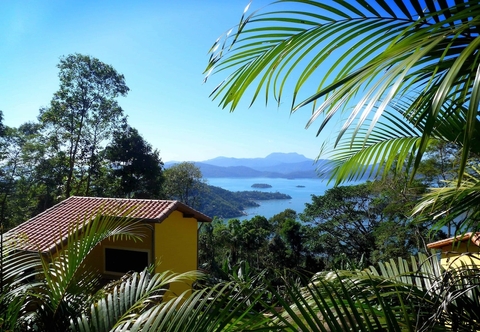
x,y
219,202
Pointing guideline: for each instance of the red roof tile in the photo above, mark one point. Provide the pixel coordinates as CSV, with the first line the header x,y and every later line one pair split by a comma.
x,y
45,229
475,238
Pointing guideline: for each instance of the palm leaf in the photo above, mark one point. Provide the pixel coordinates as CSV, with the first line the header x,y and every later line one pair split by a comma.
x,y
393,141
453,203
19,271
386,51
125,300
344,300
66,282
223,307
395,296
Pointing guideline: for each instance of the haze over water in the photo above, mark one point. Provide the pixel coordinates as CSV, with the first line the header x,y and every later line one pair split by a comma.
x,y
300,190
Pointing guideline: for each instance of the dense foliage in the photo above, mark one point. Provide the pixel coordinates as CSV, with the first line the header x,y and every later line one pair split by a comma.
x,y
59,293
370,221
351,226
135,167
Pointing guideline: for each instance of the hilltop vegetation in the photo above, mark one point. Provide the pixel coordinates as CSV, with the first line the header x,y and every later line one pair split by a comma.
x,y
222,203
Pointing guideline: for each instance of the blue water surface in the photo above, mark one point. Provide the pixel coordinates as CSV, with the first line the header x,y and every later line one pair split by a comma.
x,y
301,191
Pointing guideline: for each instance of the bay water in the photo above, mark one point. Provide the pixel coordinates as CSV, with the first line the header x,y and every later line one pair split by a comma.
x,y
301,191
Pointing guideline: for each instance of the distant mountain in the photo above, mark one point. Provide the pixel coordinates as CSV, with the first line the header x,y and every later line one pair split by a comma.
x,y
291,157
275,165
285,168
212,171
272,159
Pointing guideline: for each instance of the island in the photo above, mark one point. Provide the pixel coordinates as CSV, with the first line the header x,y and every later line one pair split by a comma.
x,y
262,196
222,203
261,185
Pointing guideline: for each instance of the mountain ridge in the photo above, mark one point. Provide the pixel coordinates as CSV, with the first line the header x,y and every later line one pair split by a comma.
x,y
274,165
270,160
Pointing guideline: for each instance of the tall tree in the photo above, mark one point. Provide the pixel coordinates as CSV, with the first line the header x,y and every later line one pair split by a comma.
x,y
136,165
10,169
184,182
82,114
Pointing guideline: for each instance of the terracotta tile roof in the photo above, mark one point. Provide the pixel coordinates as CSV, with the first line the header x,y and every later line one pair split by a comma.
x,y
475,238
43,230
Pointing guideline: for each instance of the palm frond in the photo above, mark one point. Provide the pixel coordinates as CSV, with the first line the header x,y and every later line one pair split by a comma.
x,y
19,271
395,296
384,51
394,141
453,203
223,307
346,300
66,283
127,299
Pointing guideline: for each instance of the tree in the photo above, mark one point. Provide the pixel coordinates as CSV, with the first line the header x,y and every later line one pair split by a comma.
x,y
369,222
30,179
9,158
440,163
82,114
254,235
184,182
287,245
403,74
138,167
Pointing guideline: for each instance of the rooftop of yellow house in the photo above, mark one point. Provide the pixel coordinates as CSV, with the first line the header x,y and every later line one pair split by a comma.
x,y
44,230
474,237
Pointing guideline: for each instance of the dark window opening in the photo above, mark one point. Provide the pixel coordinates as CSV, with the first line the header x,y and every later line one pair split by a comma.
x,y
123,261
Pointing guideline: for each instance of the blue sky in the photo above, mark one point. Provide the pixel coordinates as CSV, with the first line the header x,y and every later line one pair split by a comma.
x,y
161,48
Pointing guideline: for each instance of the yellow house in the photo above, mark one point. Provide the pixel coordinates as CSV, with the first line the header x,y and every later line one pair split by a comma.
x,y
458,250
170,234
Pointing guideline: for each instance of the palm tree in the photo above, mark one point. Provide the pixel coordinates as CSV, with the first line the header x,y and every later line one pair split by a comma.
x,y
419,59
57,291
400,73
399,76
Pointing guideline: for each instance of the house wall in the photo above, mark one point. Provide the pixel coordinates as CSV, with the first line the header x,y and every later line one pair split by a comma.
x,y
172,245
455,255
176,246
97,258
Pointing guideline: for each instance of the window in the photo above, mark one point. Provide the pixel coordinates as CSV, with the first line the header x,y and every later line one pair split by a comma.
x,y
124,260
